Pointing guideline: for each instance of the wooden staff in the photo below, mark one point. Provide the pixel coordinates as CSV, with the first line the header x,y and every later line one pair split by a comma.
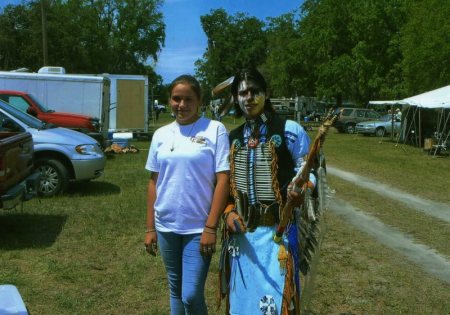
x,y
302,176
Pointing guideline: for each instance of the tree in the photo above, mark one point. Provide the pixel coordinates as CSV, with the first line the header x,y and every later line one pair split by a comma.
x,y
376,54
284,65
86,36
234,42
326,44
426,46
351,47
17,38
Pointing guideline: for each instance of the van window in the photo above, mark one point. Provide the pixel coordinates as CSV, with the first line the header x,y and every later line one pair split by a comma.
x,y
360,113
347,112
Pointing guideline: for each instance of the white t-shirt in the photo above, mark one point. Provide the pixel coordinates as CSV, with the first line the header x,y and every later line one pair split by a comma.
x,y
187,158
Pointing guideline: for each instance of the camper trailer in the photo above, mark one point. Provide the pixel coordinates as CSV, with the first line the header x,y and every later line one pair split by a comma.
x,y
129,104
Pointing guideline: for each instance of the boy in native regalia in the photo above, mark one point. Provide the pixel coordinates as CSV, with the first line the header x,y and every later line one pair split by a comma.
x,y
257,274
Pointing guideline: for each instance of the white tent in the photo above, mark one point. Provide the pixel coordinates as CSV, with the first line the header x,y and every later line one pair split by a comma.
x,y
439,98
436,104
383,103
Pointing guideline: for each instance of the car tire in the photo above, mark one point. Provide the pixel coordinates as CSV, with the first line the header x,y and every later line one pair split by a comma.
x,y
54,177
380,132
350,128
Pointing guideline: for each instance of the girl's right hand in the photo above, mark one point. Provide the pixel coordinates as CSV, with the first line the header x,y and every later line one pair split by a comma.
x,y
151,243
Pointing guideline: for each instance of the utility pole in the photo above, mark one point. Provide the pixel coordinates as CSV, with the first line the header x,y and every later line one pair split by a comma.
x,y
44,32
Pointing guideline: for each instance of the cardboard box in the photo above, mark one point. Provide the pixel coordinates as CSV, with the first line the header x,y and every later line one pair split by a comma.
x,y
428,143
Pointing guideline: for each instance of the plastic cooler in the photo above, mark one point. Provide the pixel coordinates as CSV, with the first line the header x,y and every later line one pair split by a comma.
x,y
122,138
10,301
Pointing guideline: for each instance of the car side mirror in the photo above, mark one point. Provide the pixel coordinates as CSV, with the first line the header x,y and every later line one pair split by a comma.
x,y
31,111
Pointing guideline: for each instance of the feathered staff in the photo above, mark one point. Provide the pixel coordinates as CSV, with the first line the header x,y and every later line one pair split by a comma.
x,y
218,89
222,86
302,176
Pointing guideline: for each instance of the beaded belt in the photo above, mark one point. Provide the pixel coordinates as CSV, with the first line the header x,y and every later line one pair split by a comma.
x,y
267,219
258,214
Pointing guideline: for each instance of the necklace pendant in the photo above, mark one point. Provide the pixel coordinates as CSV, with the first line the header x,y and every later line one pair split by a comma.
x,y
253,142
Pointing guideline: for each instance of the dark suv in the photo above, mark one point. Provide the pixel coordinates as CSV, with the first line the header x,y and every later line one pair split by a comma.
x,y
349,117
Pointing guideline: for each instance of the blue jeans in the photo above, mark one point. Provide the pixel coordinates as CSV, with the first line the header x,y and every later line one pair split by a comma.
x,y
186,271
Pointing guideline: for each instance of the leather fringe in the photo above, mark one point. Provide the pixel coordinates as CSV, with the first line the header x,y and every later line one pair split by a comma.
x,y
289,291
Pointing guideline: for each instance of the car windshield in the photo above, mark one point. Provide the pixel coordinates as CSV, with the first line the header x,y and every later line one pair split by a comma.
x,y
42,107
23,117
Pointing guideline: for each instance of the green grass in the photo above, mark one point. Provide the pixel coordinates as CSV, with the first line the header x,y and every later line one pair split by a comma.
x,y
356,275
83,253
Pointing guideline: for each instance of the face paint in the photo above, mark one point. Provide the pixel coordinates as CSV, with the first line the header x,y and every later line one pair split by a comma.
x,y
251,98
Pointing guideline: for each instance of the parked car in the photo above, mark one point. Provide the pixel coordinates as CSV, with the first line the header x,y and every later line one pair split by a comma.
x,y
315,116
285,111
60,154
349,117
379,127
160,107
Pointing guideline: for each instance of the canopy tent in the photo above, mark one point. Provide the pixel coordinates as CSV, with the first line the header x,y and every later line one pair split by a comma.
x,y
439,98
383,103
427,115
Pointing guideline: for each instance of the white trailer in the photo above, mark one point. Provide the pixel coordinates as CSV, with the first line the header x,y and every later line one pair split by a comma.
x,y
129,104
72,93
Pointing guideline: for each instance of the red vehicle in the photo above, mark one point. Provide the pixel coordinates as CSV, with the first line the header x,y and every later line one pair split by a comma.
x,y
29,104
18,180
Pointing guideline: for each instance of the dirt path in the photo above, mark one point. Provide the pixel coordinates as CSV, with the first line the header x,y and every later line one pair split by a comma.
x,y
404,244
429,207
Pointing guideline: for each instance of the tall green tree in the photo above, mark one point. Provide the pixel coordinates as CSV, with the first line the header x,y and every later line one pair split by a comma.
x,y
86,36
234,42
352,48
17,38
426,46
376,54
326,43
284,64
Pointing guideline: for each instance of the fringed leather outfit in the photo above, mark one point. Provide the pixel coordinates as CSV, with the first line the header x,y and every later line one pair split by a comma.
x,y
257,275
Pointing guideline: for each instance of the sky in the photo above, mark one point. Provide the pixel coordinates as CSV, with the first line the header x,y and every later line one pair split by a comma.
x,y
185,40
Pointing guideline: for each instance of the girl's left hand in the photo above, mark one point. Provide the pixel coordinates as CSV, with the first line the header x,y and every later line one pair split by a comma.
x,y
208,243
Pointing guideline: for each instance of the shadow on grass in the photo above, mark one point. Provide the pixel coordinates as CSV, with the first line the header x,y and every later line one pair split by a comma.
x,y
92,188
21,231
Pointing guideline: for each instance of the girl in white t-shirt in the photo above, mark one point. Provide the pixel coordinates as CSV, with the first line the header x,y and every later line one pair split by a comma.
x,y
187,193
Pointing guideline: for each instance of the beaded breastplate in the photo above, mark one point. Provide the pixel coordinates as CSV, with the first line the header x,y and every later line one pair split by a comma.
x,y
254,172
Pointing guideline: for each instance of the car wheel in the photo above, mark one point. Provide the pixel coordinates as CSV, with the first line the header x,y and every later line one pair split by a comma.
x,y
380,132
54,177
350,128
